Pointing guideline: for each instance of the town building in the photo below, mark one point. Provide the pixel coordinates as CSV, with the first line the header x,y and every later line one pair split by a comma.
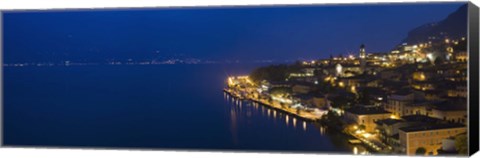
x,y
453,110
362,55
388,129
407,102
365,115
311,100
302,88
428,137
458,90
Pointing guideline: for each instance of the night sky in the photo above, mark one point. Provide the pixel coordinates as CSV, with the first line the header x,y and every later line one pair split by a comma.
x,y
241,33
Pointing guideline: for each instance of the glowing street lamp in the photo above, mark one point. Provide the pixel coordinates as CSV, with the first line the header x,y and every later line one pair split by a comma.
x,y
430,56
353,89
366,135
339,69
351,57
230,81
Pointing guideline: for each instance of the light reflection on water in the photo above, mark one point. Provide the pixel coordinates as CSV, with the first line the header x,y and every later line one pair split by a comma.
x,y
322,130
294,122
240,105
286,119
162,114
248,108
304,125
233,123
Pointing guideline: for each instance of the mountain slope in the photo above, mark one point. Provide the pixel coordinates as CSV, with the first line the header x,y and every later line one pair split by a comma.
x,y
454,26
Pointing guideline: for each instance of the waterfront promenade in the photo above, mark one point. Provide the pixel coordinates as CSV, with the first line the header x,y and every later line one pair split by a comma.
x,y
312,115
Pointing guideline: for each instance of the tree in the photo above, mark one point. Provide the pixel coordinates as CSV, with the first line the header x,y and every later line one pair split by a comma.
x,y
280,91
361,127
342,102
333,120
270,100
438,61
339,102
274,73
421,151
461,144
364,97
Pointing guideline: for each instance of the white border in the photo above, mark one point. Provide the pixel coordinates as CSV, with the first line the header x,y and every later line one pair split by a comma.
x,y
87,4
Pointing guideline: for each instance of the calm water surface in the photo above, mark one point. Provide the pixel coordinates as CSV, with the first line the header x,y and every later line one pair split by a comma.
x,y
155,106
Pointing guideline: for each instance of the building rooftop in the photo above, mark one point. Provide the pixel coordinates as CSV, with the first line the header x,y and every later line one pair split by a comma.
x,y
398,97
279,83
394,85
388,121
420,102
396,136
366,110
434,92
301,83
404,91
374,91
303,96
420,118
452,84
431,127
452,105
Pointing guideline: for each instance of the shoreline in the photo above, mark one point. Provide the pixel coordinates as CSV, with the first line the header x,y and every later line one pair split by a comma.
x,y
306,118
346,136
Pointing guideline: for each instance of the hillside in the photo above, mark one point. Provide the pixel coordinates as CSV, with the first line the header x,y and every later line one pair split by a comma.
x,y
454,26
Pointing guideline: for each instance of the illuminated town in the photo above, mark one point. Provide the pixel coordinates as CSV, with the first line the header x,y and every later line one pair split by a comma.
x,y
359,79
410,101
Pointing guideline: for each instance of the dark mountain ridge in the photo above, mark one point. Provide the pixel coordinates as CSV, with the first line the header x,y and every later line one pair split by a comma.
x,y
454,27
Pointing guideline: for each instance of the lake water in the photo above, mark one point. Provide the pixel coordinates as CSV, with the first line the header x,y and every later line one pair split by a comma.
x,y
149,107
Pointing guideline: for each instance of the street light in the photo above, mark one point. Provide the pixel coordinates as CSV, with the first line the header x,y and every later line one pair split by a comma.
x,y
430,56
366,135
339,69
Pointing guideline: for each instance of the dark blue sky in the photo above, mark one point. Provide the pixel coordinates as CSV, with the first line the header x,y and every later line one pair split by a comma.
x,y
252,33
